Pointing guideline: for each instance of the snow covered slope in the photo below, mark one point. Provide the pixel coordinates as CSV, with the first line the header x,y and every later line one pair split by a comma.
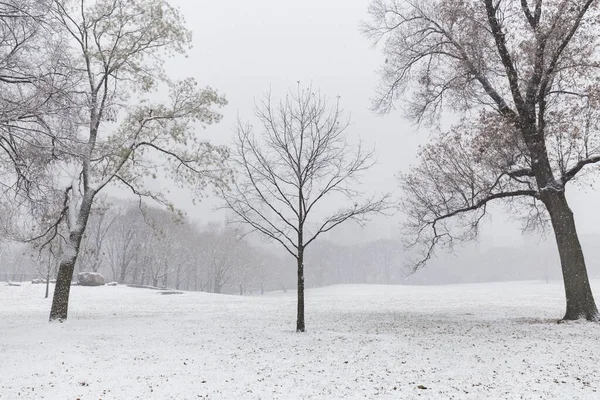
x,y
363,342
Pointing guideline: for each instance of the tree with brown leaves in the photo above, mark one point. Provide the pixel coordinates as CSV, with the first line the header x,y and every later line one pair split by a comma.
x,y
524,77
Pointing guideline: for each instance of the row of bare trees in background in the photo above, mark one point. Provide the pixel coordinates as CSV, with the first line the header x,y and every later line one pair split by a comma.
x,y
154,247
151,247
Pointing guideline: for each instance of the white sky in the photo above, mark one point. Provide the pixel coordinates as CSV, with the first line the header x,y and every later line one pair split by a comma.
x,y
243,48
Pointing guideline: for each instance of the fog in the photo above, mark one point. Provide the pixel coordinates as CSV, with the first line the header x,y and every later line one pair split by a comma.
x,y
244,49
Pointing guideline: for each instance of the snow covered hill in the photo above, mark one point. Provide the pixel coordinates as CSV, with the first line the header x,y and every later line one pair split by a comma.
x,y
476,341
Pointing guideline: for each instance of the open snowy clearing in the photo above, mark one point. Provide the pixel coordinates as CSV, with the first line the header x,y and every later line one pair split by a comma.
x,y
476,341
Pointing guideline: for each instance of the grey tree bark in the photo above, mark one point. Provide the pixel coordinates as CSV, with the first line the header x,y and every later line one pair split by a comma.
x,y
300,327
578,293
62,289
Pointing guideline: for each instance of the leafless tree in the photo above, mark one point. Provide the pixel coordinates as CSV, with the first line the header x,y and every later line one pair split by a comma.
x,y
261,271
124,241
252,269
161,239
197,254
523,75
46,261
299,159
182,261
158,267
223,255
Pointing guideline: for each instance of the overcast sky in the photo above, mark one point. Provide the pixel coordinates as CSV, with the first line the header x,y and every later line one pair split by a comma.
x,y
244,48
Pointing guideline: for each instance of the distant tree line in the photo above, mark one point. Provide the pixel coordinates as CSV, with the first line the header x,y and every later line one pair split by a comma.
x,y
154,247
150,246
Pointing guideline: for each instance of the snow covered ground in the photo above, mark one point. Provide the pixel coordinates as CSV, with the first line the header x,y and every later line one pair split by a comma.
x,y
476,341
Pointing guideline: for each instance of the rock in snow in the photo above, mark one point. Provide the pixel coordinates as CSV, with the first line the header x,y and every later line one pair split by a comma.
x,y
90,279
112,284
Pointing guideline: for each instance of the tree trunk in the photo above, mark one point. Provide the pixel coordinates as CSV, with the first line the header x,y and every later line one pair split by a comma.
x,y
123,274
60,301
178,277
47,283
300,319
96,264
135,273
580,301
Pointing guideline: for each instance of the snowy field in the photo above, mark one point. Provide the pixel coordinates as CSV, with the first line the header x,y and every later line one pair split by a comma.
x,y
477,341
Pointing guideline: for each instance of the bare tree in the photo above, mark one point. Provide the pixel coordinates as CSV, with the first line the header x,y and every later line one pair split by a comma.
x,y
252,269
299,159
197,251
159,264
162,238
46,261
523,76
118,48
182,260
124,241
223,255
262,269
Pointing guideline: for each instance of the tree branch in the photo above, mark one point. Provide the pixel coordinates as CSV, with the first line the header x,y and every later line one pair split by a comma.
x,y
571,173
